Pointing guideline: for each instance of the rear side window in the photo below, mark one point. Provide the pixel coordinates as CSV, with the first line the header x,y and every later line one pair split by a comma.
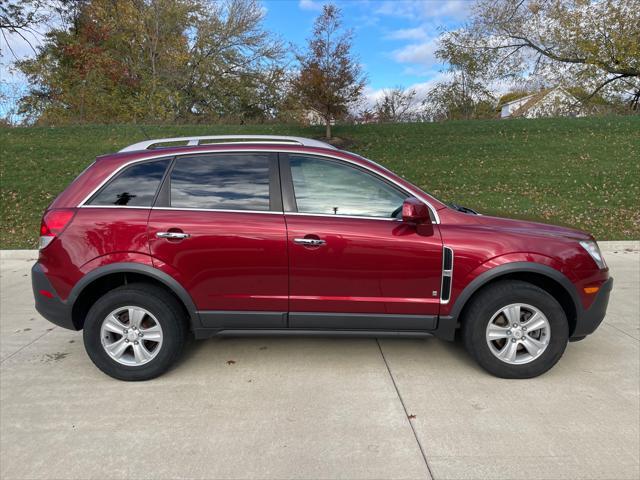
x,y
221,182
136,186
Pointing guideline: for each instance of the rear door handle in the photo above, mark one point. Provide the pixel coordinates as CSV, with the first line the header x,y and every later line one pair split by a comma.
x,y
173,235
309,242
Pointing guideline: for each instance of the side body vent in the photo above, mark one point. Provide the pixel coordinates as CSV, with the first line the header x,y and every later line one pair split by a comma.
x,y
447,274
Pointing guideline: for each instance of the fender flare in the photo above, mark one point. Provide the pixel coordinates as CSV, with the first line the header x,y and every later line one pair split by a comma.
x,y
147,270
514,267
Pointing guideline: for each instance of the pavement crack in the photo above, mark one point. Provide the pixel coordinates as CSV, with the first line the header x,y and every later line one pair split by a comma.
x,y
406,413
27,345
621,331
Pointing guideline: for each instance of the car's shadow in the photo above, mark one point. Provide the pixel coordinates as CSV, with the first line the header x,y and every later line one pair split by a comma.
x,y
431,349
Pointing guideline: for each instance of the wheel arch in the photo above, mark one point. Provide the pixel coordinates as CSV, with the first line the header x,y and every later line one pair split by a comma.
x,y
549,279
103,279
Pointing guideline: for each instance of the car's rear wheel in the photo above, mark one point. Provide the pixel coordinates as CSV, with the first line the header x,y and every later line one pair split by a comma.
x,y
515,329
135,332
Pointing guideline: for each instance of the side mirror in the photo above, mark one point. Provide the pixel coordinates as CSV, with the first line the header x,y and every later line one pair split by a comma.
x,y
414,211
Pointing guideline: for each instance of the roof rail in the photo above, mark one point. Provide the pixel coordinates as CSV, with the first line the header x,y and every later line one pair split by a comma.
x,y
262,139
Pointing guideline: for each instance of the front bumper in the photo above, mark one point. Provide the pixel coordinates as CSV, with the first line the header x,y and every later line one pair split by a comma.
x,y
53,309
588,320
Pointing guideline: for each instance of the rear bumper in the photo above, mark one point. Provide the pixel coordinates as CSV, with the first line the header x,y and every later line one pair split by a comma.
x,y
589,320
51,308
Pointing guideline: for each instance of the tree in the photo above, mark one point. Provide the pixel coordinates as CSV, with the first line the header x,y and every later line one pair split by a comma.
x,y
459,98
114,62
396,105
330,79
235,66
464,94
595,44
154,61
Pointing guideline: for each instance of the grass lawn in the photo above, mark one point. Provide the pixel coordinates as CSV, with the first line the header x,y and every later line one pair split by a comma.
x,y
581,172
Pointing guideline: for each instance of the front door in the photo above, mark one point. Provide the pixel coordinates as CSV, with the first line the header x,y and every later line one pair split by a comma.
x,y
218,228
353,263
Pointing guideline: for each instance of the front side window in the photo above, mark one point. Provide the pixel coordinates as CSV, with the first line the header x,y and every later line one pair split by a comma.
x,y
327,187
136,186
221,182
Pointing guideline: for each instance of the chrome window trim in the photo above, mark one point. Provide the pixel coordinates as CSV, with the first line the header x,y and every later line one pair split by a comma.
x,y
271,212
114,206
223,210
328,215
184,209
256,150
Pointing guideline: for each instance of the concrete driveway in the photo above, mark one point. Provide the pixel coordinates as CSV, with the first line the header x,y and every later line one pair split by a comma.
x,y
276,408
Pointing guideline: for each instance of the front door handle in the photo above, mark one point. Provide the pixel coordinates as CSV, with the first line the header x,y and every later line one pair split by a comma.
x,y
309,242
173,235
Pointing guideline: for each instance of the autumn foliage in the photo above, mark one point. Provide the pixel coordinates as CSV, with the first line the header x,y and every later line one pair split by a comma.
x,y
330,79
155,61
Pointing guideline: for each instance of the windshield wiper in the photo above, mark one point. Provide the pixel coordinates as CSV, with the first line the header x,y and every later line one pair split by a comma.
x,y
462,209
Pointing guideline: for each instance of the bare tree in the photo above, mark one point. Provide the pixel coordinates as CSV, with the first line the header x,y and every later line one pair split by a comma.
x,y
458,98
396,105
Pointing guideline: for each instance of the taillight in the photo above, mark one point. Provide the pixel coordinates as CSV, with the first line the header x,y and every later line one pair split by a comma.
x,y
53,224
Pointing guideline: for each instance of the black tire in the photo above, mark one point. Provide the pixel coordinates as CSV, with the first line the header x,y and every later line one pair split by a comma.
x,y
493,298
164,307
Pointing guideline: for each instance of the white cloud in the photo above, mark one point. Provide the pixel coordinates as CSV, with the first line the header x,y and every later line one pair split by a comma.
x,y
417,33
371,95
421,9
310,5
458,9
422,53
418,39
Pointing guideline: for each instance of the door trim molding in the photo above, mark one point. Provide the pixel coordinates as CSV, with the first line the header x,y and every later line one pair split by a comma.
x,y
364,321
225,319
219,320
323,333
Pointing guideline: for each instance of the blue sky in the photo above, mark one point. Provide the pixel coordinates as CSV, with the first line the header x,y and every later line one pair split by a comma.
x,y
393,39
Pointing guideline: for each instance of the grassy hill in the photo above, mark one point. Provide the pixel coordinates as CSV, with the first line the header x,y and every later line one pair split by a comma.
x,y
578,172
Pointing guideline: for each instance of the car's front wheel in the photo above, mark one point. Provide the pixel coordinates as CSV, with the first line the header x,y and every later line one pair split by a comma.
x,y
515,329
135,332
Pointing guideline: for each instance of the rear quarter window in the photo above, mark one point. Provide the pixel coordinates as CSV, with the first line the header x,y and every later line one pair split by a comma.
x,y
135,186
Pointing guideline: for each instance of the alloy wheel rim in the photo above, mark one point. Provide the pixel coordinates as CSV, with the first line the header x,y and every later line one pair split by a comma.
x,y
518,333
131,335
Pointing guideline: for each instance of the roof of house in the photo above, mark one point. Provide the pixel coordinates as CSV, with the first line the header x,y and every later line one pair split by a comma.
x,y
519,99
537,97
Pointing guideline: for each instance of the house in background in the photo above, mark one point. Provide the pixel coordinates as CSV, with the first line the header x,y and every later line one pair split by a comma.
x,y
312,117
552,102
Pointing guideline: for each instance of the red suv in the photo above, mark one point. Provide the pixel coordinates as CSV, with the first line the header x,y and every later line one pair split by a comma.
x,y
254,235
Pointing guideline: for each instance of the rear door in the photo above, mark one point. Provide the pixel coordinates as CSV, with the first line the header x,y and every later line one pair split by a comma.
x,y
353,263
218,228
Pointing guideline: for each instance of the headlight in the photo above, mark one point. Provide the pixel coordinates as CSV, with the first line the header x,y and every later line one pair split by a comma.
x,y
592,248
